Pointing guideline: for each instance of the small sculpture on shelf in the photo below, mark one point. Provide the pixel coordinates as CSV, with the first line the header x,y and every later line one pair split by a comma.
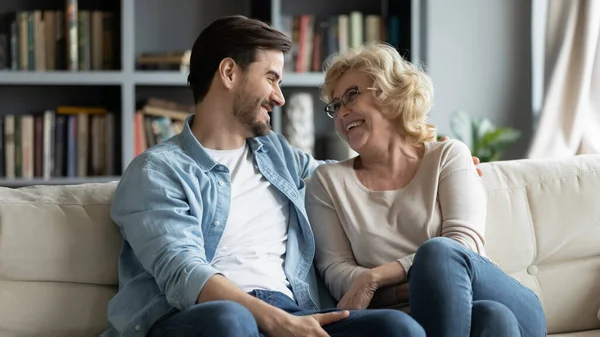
x,y
298,126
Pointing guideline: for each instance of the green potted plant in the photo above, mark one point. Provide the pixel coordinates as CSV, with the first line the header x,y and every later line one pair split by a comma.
x,y
486,141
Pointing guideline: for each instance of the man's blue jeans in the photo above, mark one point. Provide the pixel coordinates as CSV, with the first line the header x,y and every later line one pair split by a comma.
x,y
456,292
229,319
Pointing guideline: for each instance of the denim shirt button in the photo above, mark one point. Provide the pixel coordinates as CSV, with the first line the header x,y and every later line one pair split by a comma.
x,y
217,222
221,183
138,328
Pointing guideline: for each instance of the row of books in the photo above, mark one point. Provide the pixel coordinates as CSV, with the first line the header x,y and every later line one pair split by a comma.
x,y
168,61
65,142
73,39
158,120
314,38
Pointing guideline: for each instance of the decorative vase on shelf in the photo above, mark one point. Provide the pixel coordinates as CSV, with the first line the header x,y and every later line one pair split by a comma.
x,y
299,126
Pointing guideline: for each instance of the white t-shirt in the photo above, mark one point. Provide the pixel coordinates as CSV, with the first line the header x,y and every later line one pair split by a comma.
x,y
252,249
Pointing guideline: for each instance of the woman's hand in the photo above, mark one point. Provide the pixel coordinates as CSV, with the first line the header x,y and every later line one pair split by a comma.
x,y
361,292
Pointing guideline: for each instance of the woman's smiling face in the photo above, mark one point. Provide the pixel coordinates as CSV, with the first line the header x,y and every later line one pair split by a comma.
x,y
358,118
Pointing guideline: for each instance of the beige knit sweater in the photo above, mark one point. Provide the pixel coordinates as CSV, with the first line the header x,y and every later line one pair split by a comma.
x,y
356,228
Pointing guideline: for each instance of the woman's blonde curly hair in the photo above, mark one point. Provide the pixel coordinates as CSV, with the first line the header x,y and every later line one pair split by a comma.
x,y
405,92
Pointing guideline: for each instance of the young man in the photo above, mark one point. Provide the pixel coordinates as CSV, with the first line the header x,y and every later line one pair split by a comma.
x,y
216,238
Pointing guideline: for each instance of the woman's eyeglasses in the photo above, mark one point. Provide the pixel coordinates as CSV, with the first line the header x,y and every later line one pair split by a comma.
x,y
347,99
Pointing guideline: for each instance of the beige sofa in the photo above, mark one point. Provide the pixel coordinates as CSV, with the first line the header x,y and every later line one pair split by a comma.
x,y
59,248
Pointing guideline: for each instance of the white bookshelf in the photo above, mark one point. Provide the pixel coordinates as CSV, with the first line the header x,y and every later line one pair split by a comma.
x,y
8,78
179,27
147,78
160,78
166,78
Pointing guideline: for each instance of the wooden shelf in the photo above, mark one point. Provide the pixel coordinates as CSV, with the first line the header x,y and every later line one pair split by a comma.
x,y
12,183
174,78
61,78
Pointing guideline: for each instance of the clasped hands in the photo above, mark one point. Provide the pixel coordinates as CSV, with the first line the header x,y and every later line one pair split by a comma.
x,y
365,287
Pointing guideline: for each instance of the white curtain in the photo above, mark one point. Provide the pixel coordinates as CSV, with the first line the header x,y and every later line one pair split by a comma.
x,y
566,77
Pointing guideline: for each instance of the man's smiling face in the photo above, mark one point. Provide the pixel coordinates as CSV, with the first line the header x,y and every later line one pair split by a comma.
x,y
259,92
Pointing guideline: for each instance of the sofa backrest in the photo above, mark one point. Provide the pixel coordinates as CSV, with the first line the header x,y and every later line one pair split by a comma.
x,y
58,260
543,228
59,247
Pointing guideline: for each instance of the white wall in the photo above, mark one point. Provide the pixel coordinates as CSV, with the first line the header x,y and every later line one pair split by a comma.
x,y
478,55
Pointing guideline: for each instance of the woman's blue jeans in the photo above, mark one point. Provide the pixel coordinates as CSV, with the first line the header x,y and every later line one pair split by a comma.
x,y
457,292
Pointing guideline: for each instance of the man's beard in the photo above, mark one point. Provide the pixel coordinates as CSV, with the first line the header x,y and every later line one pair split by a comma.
x,y
245,110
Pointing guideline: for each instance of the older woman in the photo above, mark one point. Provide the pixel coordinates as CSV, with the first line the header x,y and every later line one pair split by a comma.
x,y
404,221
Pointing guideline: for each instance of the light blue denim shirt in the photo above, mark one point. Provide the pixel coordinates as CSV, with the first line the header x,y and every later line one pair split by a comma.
x,y
171,207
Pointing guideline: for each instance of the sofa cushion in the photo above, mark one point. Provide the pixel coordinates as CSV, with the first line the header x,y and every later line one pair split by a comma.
x,y
58,253
543,228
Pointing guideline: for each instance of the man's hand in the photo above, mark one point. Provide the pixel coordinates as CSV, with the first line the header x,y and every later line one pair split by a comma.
x,y
475,159
272,321
305,326
360,294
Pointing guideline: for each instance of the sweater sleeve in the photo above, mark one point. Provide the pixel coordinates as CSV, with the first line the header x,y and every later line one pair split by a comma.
x,y
406,261
334,258
462,198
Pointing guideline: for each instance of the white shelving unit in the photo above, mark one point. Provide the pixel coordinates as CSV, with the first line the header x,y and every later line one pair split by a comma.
x,y
139,32
166,78
9,78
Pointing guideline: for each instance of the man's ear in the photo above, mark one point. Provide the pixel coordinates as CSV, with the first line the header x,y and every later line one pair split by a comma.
x,y
227,72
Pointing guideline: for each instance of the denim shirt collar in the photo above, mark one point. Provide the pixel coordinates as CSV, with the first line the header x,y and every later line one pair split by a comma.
x,y
200,155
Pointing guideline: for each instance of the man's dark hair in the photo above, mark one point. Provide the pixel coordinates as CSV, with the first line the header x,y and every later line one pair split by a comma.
x,y
237,37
